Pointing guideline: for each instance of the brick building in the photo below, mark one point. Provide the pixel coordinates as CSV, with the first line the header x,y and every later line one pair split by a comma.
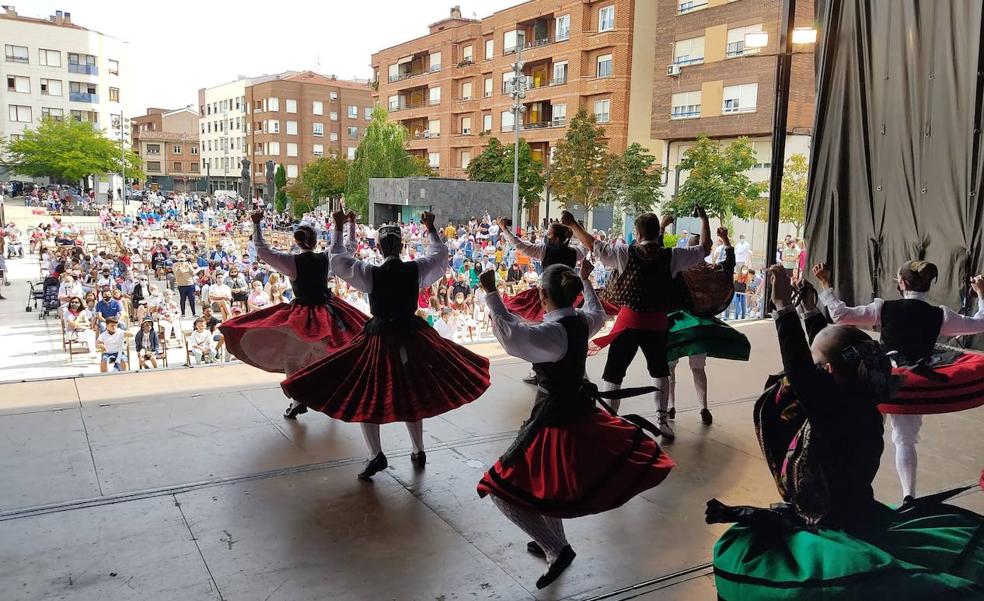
x,y
449,87
167,141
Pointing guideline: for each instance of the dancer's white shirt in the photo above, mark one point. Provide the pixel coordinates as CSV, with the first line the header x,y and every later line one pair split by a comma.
x,y
537,250
430,267
868,316
284,261
615,255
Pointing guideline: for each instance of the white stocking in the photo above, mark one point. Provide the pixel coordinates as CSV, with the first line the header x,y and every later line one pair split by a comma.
x,y
546,531
905,435
416,431
662,394
671,385
700,382
371,433
615,403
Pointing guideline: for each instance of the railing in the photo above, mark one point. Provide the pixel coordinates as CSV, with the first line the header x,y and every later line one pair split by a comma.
x,y
402,76
686,60
686,7
687,112
83,97
17,59
402,106
84,69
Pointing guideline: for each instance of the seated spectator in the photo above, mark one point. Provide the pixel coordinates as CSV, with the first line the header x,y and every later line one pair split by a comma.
x,y
147,344
167,315
238,286
106,309
446,326
200,343
257,299
70,288
220,296
111,344
77,321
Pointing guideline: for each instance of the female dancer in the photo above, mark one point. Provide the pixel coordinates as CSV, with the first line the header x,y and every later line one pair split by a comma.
x,y
570,458
822,437
933,380
285,337
398,369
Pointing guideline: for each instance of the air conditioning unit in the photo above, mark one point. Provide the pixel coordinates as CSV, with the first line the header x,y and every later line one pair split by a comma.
x,y
673,70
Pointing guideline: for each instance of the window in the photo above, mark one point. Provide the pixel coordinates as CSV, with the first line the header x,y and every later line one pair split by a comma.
x,y
685,105
84,116
318,129
16,83
740,99
736,41
559,73
153,149
292,128
114,67
318,150
488,87
466,125
333,116
512,40
273,126
606,18
435,61
273,148
687,6
194,149
114,94
177,165
49,58
333,136
350,153
290,105
465,158
467,53
689,52
332,95
435,95
353,112
291,170
78,87
604,68
434,159
559,114
353,132
602,111
489,49
16,54
367,113
209,145
318,107
433,128
154,166
176,149
487,123
507,78
273,104
52,113
506,119
466,90
291,149
562,27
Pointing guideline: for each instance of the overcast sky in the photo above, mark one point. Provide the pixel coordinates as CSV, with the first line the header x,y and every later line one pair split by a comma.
x,y
178,46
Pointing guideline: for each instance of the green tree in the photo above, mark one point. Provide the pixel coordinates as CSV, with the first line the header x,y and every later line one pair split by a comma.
x,y
382,153
69,151
300,197
792,207
718,180
280,181
633,182
580,164
326,177
495,164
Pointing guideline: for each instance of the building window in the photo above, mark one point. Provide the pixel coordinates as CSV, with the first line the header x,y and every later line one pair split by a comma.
x,y
435,61
353,112
291,149
512,41
736,41
318,150
559,114
506,120
685,105
435,95
273,104
16,54
466,90
367,113
562,27
689,52
602,111
154,148
177,165
52,113
318,129
489,49
49,58
487,123
318,107
350,153
606,18
488,88
353,133
687,6
194,149
273,148
559,74
467,54
154,166
114,67
273,126
176,149
332,95
290,105
291,170
433,128
16,83
466,125
84,116
292,128
434,159
604,68
740,99
333,116
333,136
465,158
114,94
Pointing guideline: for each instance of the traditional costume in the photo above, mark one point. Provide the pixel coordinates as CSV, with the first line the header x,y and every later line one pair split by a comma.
x,y
934,379
571,458
285,337
398,369
831,539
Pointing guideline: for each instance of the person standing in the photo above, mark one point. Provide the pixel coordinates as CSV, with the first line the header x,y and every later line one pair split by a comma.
x,y
743,251
184,279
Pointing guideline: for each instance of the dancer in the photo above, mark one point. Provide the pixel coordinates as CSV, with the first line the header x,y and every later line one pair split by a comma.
x,y
398,369
644,290
285,337
822,437
909,329
570,458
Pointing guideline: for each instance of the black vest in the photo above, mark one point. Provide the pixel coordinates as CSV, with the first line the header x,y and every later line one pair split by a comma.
x,y
910,327
393,300
311,285
558,253
645,285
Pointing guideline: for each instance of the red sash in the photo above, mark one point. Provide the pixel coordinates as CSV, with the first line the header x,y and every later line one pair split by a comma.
x,y
628,319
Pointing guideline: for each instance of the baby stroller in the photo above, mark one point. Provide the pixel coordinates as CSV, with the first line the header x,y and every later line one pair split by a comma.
x,y
47,293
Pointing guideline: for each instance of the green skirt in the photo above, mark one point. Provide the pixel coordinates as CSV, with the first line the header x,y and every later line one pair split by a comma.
x,y
934,553
693,335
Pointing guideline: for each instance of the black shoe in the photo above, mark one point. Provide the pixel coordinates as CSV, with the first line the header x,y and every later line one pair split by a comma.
x,y
908,500
534,548
706,418
294,410
671,414
530,380
567,555
373,466
419,460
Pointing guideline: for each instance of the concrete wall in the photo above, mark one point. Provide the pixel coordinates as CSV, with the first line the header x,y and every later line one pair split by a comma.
x,y
449,199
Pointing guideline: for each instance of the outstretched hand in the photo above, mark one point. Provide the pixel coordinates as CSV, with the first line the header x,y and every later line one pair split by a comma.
x,y
351,216
503,223
977,285
256,216
339,218
487,280
567,218
782,288
722,233
586,269
427,219
701,213
822,273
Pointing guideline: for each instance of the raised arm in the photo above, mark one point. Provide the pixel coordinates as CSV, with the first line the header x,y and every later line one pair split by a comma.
x,y
432,266
531,250
356,273
282,262
955,324
540,343
865,316
592,310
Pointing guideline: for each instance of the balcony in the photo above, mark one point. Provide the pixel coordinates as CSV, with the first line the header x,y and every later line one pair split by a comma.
x,y
83,97
84,69
690,6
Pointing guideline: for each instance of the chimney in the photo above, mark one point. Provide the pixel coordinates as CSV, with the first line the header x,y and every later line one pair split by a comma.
x,y
456,12
57,18
9,10
68,18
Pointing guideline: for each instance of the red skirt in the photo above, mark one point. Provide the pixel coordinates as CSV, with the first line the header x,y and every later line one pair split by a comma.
x,y
919,395
286,337
587,467
400,376
527,305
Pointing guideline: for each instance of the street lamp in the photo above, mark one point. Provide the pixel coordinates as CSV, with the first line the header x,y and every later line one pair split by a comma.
x,y
123,124
517,89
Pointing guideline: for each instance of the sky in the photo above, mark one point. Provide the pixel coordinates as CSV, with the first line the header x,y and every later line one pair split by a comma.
x,y
179,46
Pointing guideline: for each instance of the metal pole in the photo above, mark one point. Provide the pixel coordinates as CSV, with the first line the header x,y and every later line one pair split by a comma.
x,y
784,62
518,92
122,169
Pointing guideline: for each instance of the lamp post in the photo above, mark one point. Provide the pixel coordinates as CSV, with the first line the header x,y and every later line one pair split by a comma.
x,y
123,125
517,89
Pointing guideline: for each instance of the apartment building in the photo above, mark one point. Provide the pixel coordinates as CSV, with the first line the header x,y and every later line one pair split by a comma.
x,y
167,141
55,68
450,87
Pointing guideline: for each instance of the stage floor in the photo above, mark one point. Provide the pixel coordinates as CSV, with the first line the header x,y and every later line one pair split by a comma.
x,y
188,484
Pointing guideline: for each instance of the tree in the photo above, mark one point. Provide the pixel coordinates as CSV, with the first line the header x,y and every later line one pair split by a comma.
x,y
382,153
326,177
280,181
580,164
69,151
792,204
300,198
495,164
633,183
718,180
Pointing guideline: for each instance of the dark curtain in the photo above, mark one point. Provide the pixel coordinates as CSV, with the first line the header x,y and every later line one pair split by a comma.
x,y
896,162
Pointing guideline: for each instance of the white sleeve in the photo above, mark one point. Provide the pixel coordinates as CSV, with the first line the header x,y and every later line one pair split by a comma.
x,y
865,316
531,250
610,254
683,259
282,262
539,343
432,266
592,310
955,324
358,274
